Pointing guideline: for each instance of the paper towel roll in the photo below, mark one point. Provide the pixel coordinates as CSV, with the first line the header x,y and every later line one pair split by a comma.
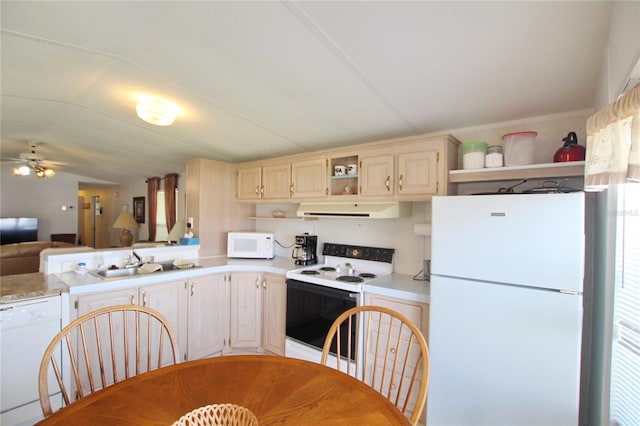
x,y
422,229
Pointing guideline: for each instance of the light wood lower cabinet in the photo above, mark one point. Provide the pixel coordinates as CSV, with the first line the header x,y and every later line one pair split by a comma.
x,y
416,312
274,300
211,314
207,315
246,310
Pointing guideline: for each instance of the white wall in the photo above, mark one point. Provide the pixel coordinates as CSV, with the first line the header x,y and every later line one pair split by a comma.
x,y
28,196
42,198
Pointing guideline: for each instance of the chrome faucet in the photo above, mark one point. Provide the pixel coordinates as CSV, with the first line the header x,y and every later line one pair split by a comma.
x,y
131,262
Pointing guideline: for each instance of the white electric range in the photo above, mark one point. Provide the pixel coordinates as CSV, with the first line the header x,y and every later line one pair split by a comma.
x,y
318,294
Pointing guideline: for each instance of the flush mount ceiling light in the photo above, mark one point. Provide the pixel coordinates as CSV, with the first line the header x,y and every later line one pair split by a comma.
x,y
156,111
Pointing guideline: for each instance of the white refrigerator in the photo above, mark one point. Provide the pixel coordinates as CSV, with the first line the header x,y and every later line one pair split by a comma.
x,y
506,309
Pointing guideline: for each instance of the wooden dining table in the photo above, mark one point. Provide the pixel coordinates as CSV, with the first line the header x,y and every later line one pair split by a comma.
x,y
278,390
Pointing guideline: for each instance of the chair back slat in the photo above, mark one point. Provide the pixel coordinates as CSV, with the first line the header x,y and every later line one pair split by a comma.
x,y
391,355
99,349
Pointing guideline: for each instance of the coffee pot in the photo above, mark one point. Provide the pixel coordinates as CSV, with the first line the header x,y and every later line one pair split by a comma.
x,y
305,250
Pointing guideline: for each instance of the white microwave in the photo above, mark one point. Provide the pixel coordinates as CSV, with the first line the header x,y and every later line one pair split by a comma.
x,y
250,245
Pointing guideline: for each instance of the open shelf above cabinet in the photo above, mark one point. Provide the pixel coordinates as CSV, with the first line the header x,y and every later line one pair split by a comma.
x,y
532,171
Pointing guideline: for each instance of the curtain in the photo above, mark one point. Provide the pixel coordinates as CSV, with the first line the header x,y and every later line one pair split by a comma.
x,y
613,143
170,185
153,185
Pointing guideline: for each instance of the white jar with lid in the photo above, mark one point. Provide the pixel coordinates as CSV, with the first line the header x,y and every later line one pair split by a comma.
x,y
473,155
493,158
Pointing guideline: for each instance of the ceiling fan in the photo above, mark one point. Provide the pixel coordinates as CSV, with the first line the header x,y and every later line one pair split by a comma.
x,y
31,161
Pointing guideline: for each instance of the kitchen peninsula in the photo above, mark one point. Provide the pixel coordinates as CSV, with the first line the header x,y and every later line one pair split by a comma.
x,y
219,306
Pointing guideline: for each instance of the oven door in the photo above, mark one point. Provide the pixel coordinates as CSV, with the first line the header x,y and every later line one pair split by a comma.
x,y
312,309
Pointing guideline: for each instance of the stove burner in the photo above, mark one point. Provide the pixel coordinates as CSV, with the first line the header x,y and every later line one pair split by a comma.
x,y
328,268
310,272
367,275
350,279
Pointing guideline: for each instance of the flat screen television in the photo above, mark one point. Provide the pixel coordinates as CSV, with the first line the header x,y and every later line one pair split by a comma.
x,y
18,229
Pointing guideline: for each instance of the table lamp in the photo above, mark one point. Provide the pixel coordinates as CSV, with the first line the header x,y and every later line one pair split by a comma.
x,y
125,221
176,232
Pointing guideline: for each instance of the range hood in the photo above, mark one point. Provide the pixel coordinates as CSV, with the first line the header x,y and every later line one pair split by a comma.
x,y
373,210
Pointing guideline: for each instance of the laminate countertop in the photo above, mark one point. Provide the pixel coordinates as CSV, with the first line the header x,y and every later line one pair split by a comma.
x,y
28,286
25,286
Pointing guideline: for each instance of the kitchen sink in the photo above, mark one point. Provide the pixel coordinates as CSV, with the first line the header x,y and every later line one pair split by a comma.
x,y
117,273
129,272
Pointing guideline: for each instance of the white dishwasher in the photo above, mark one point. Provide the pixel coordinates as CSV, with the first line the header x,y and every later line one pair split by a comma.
x,y
26,328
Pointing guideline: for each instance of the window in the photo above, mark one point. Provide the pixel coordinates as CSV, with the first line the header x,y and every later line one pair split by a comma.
x,y
161,219
625,363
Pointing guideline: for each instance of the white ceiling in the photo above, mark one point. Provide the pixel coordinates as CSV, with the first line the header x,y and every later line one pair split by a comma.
x,y
261,79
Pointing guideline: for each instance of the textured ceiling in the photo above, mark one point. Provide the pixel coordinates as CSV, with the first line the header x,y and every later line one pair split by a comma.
x,y
260,79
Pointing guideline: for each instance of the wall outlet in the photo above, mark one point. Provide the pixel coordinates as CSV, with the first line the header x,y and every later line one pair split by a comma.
x,y
69,266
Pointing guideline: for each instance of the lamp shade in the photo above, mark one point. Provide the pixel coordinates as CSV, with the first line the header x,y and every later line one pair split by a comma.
x,y
125,221
177,231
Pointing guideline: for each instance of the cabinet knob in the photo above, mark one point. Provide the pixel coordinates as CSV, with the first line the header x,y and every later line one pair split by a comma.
x,y
400,182
257,283
261,190
193,289
392,350
387,183
144,298
291,189
133,299
264,284
257,189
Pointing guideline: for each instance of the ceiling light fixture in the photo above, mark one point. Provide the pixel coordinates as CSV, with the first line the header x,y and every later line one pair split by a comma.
x,y
156,111
21,171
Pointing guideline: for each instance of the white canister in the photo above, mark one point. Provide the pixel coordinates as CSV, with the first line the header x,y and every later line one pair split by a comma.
x,y
352,169
339,170
473,155
493,158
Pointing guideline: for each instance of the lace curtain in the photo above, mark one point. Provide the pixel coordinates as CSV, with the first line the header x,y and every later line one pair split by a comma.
x,y
613,143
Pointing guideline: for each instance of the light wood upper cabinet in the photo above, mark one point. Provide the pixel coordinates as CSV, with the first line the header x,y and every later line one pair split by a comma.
x,y
418,171
276,181
267,182
377,174
309,178
249,181
406,169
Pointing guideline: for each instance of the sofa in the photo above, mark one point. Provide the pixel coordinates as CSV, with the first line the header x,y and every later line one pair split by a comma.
x,y
23,258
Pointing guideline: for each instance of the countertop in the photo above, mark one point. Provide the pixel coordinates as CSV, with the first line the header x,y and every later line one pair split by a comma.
x,y
24,286
29,286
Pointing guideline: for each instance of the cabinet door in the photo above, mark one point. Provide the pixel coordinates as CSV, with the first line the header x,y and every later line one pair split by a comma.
x,y
376,175
418,172
208,313
275,312
309,178
246,310
170,300
276,181
93,302
417,313
248,183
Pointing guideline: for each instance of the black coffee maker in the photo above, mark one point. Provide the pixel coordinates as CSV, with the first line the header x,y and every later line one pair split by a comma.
x,y
305,250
